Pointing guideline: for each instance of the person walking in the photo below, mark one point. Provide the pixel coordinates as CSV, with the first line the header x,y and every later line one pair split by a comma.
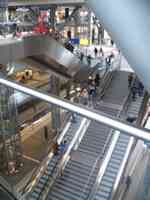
x,y
128,183
101,52
130,80
55,148
62,147
46,133
140,89
73,115
97,80
62,150
92,93
84,97
134,92
95,52
108,62
81,57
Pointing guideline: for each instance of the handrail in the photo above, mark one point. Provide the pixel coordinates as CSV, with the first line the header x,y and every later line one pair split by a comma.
x,y
81,110
54,167
97,163
124,163
105,82
121,169
104,164
12,196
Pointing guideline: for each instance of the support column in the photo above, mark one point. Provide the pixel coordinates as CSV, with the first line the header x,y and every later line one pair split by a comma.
x,y
76,27
4,10
55,89
100,35
90,27
52,16
10,149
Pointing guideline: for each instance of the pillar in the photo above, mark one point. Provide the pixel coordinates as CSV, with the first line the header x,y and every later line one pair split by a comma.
x,y
90,27
4,10
52,17
100,35
55,89
10,150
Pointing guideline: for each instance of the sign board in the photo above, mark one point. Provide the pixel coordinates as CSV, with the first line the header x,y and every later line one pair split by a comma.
x,y
75,40
84,42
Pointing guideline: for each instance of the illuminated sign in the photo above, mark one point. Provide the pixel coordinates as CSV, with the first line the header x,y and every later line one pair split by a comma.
x,y
84,42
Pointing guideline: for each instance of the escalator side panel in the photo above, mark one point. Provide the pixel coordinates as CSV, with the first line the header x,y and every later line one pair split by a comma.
x,y
14,49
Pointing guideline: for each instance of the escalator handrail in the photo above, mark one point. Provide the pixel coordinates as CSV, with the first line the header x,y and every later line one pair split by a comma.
x,y
12,196
53,170
122,167
97,163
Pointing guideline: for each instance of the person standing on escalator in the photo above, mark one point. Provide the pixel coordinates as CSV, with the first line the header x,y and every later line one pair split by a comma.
x,y
130,80
97,80
81,57
89,60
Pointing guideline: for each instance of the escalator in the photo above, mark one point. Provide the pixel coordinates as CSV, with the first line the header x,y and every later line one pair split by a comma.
x,y
42,48
51,169
115,95
75,183
109,183
81,171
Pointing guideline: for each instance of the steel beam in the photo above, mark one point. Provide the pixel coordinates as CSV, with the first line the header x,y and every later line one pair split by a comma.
x,y
82,110
44,2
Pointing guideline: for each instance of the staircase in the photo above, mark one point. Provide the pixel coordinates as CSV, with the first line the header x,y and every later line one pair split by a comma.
x,y
110,175
80,172
106,186
94,140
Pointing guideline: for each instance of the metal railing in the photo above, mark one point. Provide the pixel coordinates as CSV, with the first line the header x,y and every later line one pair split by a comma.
x,y
97,163
131,144
81,110
104,165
